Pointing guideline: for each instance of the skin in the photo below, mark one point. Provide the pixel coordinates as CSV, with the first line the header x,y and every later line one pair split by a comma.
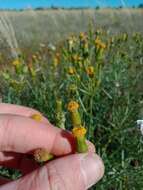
x,y
20,136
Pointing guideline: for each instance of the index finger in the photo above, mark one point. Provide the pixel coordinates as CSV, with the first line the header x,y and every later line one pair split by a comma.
x,y
20,110
23,135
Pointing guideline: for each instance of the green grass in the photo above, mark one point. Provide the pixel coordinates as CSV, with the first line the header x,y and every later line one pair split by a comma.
x,y
110,101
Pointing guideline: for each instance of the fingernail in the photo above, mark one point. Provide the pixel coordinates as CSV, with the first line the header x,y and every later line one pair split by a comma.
x,y
93,169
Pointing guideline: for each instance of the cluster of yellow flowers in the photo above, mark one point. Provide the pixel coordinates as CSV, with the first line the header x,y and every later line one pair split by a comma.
x,y
99,44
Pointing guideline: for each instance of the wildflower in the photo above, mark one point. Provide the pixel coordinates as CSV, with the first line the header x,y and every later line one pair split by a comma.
x,y
79,131
17,65
73,106
71,70
90,71
99,44
16,62
42,155
102,45
82,36
37,117
75,116
79,134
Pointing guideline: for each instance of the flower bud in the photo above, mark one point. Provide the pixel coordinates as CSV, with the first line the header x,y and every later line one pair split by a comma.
x,y
36,117
41,155
79,134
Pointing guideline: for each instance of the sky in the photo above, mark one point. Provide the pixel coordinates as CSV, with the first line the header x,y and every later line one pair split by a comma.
x,y
18,4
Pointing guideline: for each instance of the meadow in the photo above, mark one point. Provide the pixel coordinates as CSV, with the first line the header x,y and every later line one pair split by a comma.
x,y
95,58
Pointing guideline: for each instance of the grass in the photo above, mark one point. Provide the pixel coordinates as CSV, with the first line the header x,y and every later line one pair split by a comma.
x,y
29,24
104,74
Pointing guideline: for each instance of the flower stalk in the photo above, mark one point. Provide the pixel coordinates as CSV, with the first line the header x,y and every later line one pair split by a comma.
x,y
78,130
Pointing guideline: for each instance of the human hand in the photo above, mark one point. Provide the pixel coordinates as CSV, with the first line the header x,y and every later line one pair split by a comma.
x,y
20,136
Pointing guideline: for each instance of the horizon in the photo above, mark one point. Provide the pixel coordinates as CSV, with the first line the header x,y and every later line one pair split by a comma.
x,y
15,4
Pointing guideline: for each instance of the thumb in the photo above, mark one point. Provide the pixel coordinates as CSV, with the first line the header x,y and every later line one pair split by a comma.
x,y
78,172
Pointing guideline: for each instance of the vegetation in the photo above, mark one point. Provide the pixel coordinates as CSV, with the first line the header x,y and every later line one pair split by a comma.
x,y
104,75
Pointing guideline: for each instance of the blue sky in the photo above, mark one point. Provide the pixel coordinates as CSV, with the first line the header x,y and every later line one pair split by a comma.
x,y
65,3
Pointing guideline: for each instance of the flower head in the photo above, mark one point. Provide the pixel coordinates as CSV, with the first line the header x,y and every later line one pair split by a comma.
x,y
71,70
90,70
79,132
41,155
37,117
16,62
73,106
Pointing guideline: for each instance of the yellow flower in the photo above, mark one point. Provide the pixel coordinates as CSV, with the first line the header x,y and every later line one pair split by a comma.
x,y
16,62
71,70
102,45
36,117
73,106
97,41
82,36
79,132
90,70
99,44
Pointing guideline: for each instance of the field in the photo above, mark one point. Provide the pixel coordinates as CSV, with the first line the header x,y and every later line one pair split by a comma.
x,y
92,57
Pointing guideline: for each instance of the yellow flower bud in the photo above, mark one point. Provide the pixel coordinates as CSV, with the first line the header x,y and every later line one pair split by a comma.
x,y
42,155
79,131
73,106
71,70
79,134
90,71
16,62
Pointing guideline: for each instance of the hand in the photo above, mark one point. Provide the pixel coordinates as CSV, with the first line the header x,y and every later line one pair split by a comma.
x,y
20,135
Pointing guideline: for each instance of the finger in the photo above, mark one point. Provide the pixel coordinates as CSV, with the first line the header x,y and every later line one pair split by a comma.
x,y
24,163
20,110
23,135
84,171
4,180
18,161
91,147
10,159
